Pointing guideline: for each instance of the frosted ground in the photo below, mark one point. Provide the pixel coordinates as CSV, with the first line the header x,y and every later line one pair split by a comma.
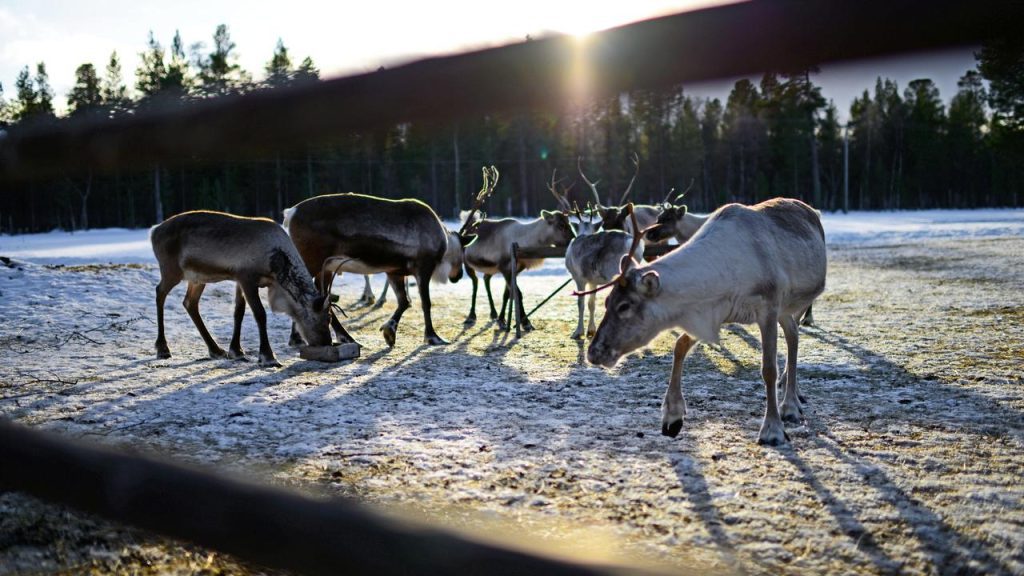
x,y
910,458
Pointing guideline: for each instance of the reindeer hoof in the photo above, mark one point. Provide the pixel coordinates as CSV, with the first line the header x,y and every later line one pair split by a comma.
x,y
163,354
469,321
218,353
378,304
269,362
388,330
435,340
672,428
577,335
772,438
237,355
792,417
527,327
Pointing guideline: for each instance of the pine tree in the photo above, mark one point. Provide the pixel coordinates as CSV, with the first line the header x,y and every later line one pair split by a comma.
x,y
1001,62
112,89
219,71
279,69
149,76
4,119
85,96
925,132
43,90
966,142
176,82
306,71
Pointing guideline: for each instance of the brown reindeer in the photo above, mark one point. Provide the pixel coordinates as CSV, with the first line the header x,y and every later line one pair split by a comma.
x,y
204,247
370,235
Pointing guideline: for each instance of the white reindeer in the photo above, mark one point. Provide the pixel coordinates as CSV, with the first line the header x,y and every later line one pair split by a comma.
x,y
761,264
594,259
203,247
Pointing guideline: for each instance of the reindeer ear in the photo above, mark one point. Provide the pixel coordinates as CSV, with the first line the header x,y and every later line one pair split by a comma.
x,y
626,263
649,284
467,239
548,215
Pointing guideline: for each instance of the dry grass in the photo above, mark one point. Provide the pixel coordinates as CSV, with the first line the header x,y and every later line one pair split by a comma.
x,y
910,459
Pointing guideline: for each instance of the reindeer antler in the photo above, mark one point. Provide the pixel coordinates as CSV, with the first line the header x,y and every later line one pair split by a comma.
x,y
326,288
561,197
490,182
593,185
636,163
681,194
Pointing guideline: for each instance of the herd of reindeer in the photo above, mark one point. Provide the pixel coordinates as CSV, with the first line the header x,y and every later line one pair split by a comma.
x,y
762,264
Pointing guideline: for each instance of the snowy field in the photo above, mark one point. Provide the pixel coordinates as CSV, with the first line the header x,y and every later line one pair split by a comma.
x,y
910,458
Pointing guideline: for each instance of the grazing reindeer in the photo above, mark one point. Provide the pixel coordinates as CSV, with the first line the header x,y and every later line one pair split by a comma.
x,y
371,235
205,247
492,254
761,264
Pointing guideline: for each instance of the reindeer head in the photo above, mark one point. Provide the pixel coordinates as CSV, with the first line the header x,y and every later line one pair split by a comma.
x,y
666,226
630,320
293,293
559,230
450,268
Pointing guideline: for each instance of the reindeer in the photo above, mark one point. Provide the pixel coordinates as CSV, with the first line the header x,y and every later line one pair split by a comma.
x,y
492,254
760,264
676,222
594,259
368,235
203,247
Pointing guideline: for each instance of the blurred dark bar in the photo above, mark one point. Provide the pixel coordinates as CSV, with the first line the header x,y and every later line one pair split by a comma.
x,y
725,41
269,526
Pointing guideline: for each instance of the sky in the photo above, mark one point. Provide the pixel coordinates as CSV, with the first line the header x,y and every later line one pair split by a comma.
x,y
351,37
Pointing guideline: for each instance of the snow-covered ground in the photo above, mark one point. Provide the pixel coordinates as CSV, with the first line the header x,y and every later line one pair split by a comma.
x,y
121,246
910,458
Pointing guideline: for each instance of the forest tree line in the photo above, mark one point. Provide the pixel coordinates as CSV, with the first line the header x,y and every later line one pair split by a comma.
x,y
776,137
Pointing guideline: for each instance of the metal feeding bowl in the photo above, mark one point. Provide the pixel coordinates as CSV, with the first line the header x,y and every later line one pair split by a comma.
x,y
335,353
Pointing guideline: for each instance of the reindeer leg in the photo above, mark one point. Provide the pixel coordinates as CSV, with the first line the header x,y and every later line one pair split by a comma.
x,y
578,333
390,327
191,303
490,299
423,284
235,351
162,289
527,325
383,297
772,431
808,316
367,297
251,292
502,324
471,317
591,327
673,407
791,408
